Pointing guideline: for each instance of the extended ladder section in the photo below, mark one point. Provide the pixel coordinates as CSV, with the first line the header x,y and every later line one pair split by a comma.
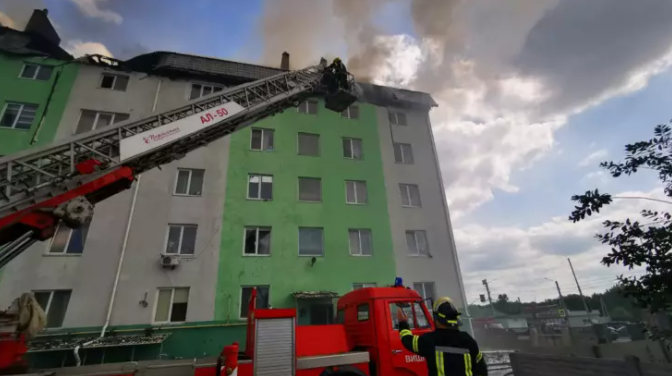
x,y
67,177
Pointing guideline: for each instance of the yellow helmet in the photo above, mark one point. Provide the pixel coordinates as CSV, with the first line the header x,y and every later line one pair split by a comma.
x,y
338,59
445,311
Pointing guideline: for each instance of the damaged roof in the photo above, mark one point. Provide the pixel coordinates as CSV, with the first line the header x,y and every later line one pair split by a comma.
x,y
210,69
30,44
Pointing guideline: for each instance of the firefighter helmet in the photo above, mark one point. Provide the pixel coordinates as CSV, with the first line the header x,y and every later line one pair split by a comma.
x,y
445,312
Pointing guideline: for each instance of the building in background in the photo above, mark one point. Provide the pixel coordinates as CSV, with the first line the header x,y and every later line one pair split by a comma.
x,y
305,206
36,76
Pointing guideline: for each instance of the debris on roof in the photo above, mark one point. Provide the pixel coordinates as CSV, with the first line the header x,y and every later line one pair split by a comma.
x,y
39,345
315,295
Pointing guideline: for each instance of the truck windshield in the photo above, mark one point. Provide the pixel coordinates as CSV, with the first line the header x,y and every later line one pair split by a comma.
x,y
414,313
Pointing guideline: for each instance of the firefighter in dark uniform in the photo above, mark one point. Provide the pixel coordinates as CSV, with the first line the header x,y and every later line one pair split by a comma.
x,y
448,351
340,74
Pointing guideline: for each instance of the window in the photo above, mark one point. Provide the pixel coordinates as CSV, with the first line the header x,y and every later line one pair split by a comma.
x,y
397,118
36,72
54,304
340,316
310,189
417,243
308,107
189,182
261,302
351,112
425,289
309,144
363,312
410,195
201,90
403,153
90,120
171,305
181,239
310,241
257,241
260,187
361,242
68,241
355,192
262,139
115,82
352,148
414,313
18,115
357,286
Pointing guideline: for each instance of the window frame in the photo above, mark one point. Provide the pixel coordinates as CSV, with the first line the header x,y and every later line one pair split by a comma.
x,y
424,289
114,83
298,189
415,239
395,114
307,106
260,176
240,298
47,308
404,158
352,148
94,126
48,251
349,114
408,195
170,306
37,71
263,134
203,85
256,248
298,144
356,202
359,239
179,252
191,172
18,116
298,234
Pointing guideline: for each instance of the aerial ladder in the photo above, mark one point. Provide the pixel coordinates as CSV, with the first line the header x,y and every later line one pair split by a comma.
x,y
62,182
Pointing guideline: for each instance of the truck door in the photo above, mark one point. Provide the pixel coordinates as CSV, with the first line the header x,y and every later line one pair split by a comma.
x,y
401,358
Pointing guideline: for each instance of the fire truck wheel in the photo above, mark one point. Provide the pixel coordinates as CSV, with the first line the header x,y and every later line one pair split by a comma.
x,y
343,371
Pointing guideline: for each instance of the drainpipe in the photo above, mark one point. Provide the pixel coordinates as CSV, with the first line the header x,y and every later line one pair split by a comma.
x,y
110,305
450,227
46,106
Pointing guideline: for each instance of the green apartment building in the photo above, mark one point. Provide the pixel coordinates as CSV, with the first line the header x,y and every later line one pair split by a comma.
x,y
304,206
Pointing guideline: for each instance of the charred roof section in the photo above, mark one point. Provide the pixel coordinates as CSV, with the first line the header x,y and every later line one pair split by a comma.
x,y
39,38
176,65
192,67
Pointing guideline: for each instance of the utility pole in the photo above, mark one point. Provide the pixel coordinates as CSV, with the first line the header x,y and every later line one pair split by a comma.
x,y
562,300
585,304
487,289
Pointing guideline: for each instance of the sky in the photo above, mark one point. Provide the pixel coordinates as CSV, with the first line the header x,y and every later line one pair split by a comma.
x,y
532,94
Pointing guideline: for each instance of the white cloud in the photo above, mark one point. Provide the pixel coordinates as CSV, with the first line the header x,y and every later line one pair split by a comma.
x,y
520,257
77,48
593,157
92,8
6,21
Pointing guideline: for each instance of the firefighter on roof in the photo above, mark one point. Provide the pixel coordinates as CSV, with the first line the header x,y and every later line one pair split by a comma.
x,y
447,350
340,74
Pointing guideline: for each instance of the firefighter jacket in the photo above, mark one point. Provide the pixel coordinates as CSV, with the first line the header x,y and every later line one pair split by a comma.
x,y
449,352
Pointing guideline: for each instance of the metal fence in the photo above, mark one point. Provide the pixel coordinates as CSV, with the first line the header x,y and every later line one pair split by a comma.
x,y
553,365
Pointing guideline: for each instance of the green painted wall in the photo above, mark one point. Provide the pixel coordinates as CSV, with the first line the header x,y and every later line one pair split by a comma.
x,y
14,88
284,270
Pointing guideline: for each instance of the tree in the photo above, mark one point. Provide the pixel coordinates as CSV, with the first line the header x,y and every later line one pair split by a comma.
x,y
633,243
503,298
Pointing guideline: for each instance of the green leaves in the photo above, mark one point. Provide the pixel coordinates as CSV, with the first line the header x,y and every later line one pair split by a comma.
x,y
631,243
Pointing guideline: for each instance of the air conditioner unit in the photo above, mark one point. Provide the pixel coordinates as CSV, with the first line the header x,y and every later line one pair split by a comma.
x,y
169,261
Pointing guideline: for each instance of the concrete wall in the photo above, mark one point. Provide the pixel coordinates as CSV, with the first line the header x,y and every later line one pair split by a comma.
x,y
441,267
91,275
